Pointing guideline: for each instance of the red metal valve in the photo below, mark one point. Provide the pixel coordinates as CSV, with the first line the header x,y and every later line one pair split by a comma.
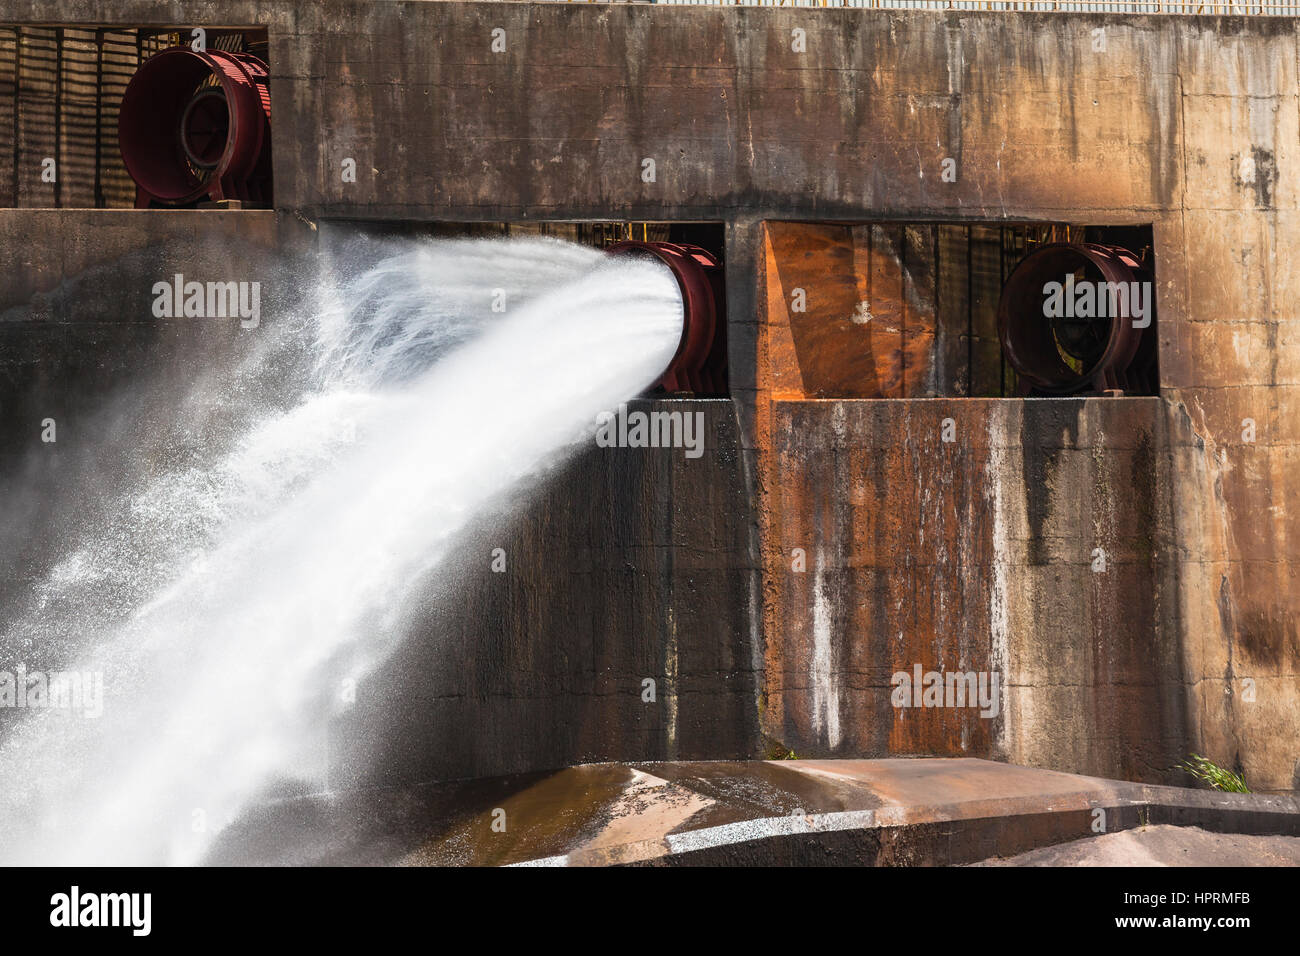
x,y
700,361
195,125
1100,340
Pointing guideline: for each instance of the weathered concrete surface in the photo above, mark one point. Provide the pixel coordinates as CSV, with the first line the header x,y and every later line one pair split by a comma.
x,y
844,812
977,554
1190,124
866,323
558,124
1163,846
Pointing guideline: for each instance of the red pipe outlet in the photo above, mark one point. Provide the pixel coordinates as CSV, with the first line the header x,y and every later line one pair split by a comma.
x,y
1056,351
195,125
699,363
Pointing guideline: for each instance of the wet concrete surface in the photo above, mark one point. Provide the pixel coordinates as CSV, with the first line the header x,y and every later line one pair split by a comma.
x,y
1164,846
927,811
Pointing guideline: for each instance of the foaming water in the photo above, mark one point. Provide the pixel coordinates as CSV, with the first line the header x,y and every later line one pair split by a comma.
x,y
219,598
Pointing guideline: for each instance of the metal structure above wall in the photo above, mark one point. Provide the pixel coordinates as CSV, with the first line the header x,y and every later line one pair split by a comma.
x,y
1005,6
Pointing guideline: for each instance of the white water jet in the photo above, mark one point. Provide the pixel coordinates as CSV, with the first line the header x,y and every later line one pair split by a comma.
x,y
218,599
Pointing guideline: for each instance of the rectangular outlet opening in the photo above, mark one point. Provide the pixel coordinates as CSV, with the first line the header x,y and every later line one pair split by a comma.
x,y
701,368
911,310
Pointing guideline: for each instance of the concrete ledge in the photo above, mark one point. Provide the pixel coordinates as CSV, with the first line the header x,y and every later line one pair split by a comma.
x,y
897,812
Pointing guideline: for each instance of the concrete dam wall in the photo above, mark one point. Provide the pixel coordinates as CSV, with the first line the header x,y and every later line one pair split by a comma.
x,y
875,494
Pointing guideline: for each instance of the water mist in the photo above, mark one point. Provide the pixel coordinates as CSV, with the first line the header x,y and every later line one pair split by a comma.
x,y
220,592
